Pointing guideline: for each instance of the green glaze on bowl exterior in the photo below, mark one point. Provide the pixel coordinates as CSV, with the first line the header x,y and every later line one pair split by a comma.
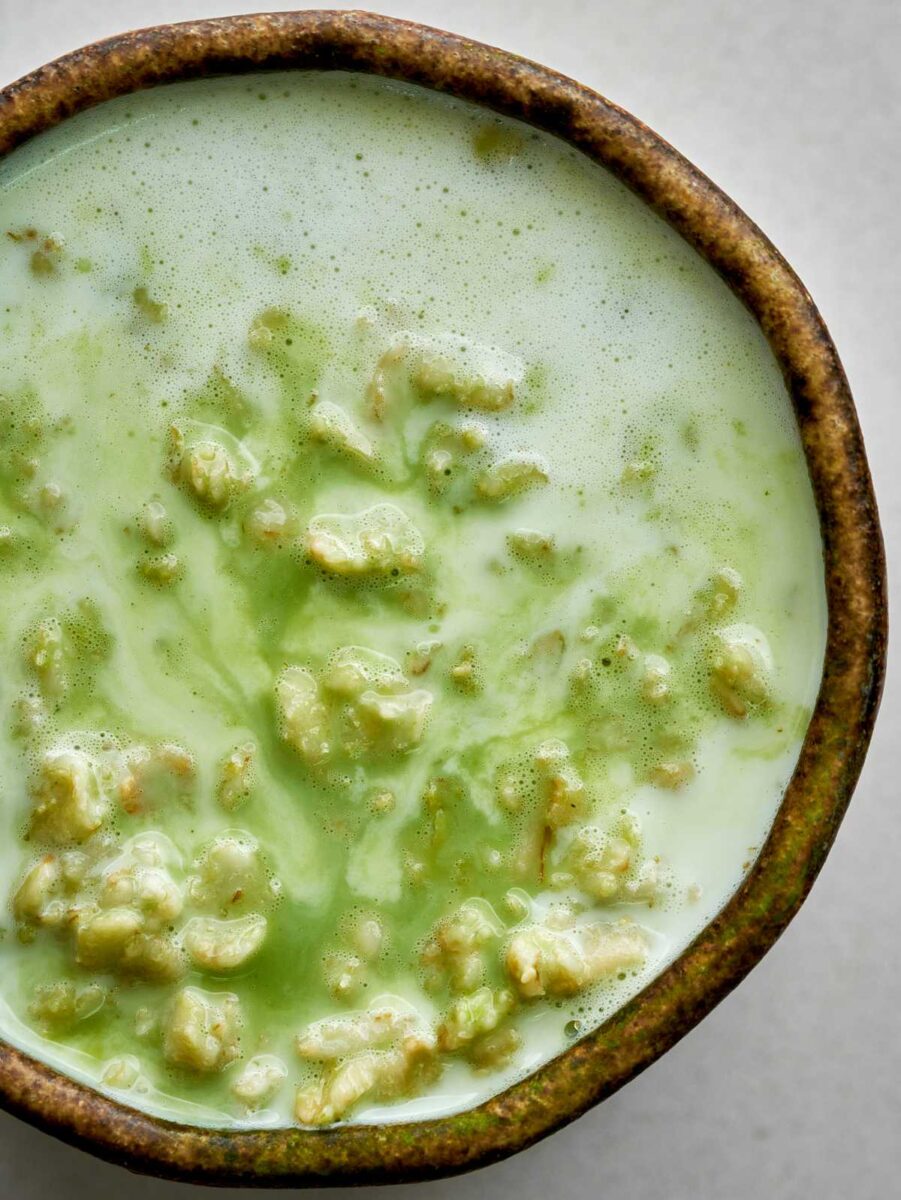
x,y
839,732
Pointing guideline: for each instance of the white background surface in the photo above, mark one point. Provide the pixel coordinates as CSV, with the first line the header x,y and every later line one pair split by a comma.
x,y
792,1088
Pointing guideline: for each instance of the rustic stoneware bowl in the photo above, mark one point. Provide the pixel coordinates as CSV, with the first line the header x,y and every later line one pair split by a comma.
x,y
836,740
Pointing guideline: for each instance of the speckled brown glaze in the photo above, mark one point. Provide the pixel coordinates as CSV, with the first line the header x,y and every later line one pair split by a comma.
x,y
839,732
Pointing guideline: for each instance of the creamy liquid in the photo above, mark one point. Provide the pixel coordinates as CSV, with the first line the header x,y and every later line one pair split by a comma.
x,y
372,215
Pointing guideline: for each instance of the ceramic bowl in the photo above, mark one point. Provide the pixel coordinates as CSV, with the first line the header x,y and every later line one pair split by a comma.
x,y
839,731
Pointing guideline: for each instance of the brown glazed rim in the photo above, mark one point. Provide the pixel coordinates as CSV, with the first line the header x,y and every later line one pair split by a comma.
x,y
836,741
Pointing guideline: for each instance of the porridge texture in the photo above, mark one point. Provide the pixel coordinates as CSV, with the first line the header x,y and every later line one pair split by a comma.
x,y
411,599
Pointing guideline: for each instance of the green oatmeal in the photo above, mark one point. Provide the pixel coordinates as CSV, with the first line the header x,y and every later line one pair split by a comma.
x,y
412,599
